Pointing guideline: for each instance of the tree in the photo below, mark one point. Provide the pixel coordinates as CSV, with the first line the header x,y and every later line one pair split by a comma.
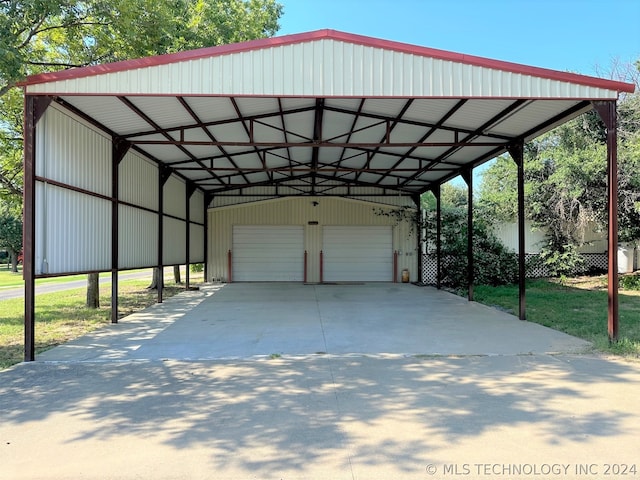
x,y
566,183
11,235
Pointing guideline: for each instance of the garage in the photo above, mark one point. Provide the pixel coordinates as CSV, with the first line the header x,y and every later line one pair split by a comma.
x,y
268,253
354,253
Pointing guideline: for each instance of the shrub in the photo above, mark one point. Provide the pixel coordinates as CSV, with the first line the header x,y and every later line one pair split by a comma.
x,y
197,267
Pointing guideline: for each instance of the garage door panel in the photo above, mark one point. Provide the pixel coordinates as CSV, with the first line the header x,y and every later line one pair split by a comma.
x,y
268,253
356,253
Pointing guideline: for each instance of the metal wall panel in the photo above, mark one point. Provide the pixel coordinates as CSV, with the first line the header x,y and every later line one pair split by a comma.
x,y
71,152
196,244
138,238
317,68
197,207
174,236
301,211
174,197
73,231
138,181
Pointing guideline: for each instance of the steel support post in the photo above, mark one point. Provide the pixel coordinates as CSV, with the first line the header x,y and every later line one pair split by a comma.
x,y
517,154
119,149
189,193
468,178
34,108
607,111
163,175
418,227
436,193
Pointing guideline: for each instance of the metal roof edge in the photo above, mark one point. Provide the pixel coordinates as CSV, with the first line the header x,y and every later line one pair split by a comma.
x,y
298,38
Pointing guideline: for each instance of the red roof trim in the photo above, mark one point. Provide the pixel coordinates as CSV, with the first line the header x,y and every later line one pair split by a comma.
x,y
335,35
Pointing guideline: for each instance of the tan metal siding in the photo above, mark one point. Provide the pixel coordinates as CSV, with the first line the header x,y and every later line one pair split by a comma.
x,y
324,67
301,211
138,237
135,171
70,152
73,231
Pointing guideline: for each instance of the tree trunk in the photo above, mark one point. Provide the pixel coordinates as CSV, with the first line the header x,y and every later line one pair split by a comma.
x,y
176,274
14,261
155,280
93,290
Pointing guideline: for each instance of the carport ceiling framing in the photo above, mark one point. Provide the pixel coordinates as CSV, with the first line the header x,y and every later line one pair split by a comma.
x,y
315,146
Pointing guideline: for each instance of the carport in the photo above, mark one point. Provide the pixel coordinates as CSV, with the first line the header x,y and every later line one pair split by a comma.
x,y
155,161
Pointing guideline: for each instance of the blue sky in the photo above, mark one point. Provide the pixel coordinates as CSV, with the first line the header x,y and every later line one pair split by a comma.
x,y
581,36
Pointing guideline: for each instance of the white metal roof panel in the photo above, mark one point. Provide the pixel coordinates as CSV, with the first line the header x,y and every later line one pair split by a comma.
x,y
324,63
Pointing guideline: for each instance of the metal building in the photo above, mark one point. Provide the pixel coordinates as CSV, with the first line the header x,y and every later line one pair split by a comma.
x,y
274,159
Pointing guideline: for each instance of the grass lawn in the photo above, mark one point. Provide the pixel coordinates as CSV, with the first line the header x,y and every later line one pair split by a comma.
x,y
8,279
62,316
576,306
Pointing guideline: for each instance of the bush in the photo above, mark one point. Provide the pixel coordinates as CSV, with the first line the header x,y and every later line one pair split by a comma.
x,y
566,261
197,267
629,282
494,264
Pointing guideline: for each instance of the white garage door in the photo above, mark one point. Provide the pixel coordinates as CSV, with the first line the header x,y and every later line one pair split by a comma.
x,y
268,253
357,254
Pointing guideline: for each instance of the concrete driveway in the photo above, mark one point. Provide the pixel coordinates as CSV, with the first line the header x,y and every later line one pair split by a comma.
x,y
244,320
344,400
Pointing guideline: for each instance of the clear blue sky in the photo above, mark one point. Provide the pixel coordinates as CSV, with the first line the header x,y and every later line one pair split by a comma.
x,y
581,36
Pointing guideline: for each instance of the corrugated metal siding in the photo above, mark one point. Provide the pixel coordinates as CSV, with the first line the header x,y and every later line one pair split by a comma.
x,y
196,244
138,237
174,236
324,67
300,211
70,152
138,181
197,207
73,231
174,197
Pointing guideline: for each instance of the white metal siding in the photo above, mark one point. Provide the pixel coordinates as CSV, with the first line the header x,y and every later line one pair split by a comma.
x,y
268,253
197,207
324,67
138,238
135,171
71,152
357,253
196,244
174,235
73,231
174,196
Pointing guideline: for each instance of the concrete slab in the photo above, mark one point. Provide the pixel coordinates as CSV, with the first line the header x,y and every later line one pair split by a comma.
x,y
266,319
323,417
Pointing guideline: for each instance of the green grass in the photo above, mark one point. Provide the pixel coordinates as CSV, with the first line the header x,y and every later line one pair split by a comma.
x,y
62,316
8,279
581,312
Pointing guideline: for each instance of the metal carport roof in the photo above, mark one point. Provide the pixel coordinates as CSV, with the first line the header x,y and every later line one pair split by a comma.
x,y
319,113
